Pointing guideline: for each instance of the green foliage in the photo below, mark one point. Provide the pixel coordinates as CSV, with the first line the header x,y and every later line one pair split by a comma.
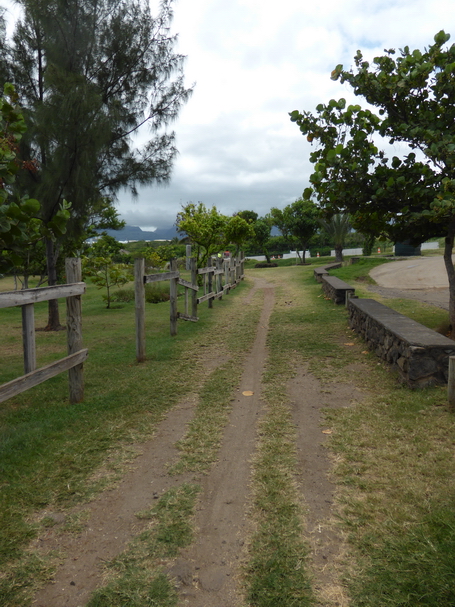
x,y
407,198
402,197
210,231
249,216
337,229
238,231
205,227
90,74
105,245
20,226
106,274
262,228
298,222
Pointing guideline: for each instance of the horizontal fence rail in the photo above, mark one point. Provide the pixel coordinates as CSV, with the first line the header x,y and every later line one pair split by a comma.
x,y
218,278
73,363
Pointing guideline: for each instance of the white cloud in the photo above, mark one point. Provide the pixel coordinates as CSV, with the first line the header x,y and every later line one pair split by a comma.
x,y
253,63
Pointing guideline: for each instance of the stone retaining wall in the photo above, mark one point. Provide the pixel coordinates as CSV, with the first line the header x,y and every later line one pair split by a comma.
x,y
321,271
420,354
336,289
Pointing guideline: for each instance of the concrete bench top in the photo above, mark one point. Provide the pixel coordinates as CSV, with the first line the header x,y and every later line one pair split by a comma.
x,y
337,283
324,269
403,327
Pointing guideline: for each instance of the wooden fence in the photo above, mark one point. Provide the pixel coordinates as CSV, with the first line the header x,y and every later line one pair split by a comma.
x,y
73,363
218,278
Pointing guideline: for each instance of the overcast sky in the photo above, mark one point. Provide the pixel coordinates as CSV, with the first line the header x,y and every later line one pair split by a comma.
x,y
252,63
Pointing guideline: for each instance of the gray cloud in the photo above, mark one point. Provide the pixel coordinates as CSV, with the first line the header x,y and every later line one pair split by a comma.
x,y
253,65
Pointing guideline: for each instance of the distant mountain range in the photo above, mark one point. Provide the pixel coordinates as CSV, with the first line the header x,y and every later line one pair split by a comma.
x,y
136,233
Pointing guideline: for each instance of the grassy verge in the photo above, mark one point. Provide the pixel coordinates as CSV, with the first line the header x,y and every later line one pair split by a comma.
x,y
392,452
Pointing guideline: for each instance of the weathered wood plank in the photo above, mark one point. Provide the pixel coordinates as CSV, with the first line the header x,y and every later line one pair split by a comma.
x,y
28,337
208,270
188,285
173,293
193,269
210,276
159,277
205,297
73,269
21,384
188,317
139,299
9,299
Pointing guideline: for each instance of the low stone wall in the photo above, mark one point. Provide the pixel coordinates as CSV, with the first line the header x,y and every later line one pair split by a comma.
x,y
336,289
321,271
420,354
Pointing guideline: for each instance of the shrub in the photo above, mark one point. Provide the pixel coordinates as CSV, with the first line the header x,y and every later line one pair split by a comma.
x,y
157,292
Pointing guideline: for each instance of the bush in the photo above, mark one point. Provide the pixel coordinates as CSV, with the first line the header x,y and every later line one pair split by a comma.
x,y
323,251
154,293
157,292
123,295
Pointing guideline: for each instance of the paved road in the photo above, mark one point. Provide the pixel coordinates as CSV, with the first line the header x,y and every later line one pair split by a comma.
x,y
412,273
421,278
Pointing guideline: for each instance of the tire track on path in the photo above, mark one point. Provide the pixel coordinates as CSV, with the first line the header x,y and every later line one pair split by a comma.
x,y
207,572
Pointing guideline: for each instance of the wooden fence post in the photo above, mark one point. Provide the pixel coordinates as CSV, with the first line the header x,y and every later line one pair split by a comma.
x,y
210,281
139,298
28,337
73,269
219,278
227,282
451,383
193,268
173,292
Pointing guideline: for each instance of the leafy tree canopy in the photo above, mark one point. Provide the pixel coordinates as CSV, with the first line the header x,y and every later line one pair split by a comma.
x,y
210,231
89,75
411,106
337,229
262,228
298,222
20,226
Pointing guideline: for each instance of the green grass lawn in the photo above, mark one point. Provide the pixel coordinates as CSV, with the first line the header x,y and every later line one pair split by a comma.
x,y
392,453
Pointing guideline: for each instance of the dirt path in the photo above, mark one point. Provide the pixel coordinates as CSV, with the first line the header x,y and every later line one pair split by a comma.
x,y
206,573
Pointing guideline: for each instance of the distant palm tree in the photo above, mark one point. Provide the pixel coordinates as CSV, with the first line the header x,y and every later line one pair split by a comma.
x,y
337,229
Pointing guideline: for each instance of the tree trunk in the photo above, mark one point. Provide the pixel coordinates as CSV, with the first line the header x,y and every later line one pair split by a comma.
x,y
338,252
53,322
450,274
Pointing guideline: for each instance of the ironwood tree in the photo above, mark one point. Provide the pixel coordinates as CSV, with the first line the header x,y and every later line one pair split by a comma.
x,y
411,196
89,75
21,229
